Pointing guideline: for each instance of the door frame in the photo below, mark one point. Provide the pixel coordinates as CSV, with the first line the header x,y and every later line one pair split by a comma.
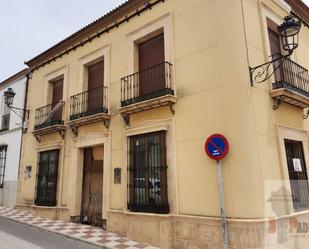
x,y
76,169
286,132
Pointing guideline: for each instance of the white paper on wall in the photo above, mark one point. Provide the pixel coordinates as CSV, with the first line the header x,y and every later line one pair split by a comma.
x,y
297,165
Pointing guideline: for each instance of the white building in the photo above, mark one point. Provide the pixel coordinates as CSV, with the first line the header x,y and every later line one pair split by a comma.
x,y
11,129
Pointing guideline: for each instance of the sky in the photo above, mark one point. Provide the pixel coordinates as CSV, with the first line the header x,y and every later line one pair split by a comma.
x,y
29,27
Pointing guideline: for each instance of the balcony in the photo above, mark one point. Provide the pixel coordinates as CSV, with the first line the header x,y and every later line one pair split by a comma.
x,y
48,119
89,107
292,84
147,89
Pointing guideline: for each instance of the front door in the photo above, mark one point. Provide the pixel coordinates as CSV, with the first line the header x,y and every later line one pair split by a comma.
x,y
297,173
91,208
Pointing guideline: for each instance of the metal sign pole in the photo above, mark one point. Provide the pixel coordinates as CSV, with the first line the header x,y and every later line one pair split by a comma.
x,y
221,197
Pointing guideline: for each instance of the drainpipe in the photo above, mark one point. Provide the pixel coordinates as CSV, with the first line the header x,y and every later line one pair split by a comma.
x,y
23,129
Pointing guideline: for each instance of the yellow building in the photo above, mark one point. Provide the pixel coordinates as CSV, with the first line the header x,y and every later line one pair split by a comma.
x,y
120,110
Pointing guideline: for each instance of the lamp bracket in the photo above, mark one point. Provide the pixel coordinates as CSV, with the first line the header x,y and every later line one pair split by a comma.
x,y
264,71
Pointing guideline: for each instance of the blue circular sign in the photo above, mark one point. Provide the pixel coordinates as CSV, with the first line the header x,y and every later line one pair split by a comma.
x,y
216,146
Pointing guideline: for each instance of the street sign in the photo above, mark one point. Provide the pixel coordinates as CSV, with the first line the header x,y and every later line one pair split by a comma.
x,y
216,146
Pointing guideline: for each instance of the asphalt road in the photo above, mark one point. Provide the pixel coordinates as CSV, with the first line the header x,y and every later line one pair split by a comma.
x,y
15,235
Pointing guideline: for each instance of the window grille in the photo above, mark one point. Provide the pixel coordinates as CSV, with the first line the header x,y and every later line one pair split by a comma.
x,y
46,191
148,173
3,150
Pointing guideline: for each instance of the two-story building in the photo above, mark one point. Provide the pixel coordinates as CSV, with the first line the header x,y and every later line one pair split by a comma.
x,y
120,110
11,129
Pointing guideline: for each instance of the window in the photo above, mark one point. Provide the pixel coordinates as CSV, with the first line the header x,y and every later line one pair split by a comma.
x,y
95,87
3,150
148,173
275,49
151,60
47,178
57,97
297,174
6,114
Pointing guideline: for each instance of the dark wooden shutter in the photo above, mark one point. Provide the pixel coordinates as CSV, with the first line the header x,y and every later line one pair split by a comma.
x,y
151,65
47,178
275,49
57,97
95,86
298,179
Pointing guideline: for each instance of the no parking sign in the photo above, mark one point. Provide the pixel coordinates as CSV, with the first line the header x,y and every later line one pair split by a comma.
x,y
216,146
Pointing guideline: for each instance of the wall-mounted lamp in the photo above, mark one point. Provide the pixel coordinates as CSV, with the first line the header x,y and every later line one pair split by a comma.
x,y
288,32
9,95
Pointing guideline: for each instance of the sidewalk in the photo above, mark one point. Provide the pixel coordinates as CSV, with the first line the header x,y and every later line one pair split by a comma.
x,y
89,234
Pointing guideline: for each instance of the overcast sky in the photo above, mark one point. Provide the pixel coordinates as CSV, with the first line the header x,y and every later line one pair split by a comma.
x,y
28,27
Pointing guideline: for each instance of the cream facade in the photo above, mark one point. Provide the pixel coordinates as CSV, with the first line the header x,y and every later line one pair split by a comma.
x,y
210,45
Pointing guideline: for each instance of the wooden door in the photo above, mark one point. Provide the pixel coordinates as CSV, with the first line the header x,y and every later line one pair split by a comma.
x,y
57,97
91,208
95,86
297,173
275,49
151,65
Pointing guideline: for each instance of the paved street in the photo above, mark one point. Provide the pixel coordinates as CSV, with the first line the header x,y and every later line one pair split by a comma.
x,y
15,235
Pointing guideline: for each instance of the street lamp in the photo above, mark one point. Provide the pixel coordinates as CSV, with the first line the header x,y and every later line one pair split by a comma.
x,y
9,95
288,32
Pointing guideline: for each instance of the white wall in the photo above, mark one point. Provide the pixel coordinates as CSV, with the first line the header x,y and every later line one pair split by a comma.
x,y
12,137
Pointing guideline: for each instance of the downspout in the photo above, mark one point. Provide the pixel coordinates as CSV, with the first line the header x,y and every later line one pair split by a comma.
x,y
23,130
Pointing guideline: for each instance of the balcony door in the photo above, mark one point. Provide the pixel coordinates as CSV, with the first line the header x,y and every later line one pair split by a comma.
x,y
95,87
151,65
57,97
275,49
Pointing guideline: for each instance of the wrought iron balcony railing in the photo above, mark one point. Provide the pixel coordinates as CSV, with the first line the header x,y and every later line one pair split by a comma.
x,y
48,115
292,76
89,103
147,84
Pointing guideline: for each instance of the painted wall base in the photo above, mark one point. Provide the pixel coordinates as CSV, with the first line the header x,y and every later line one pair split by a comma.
x,y
9,193
191,232
61,213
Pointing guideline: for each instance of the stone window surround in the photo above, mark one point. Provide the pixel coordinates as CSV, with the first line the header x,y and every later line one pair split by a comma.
x,y
267,13
92,58
61,72
147,31
286,132
147,127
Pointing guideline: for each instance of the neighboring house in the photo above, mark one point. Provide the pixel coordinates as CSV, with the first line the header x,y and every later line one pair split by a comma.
x,y
120,110
10,137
